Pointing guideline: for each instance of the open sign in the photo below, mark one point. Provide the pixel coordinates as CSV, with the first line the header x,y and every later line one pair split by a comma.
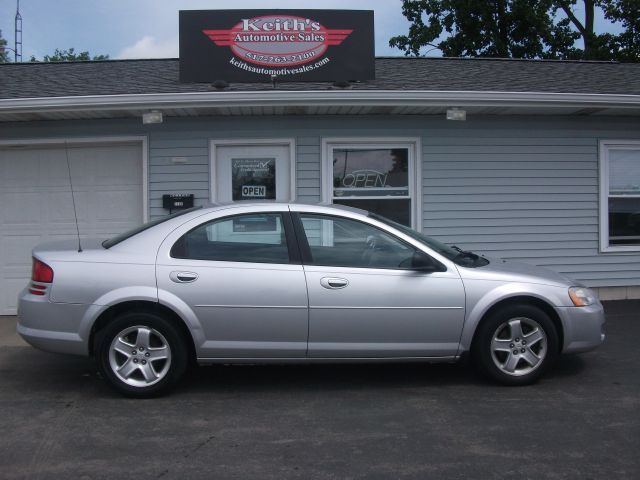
x,y
254,191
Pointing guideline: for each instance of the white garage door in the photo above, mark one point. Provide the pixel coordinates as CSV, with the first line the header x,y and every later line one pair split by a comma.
x,y
36,203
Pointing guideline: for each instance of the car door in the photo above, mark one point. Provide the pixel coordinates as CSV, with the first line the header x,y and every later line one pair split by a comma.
x,y
366,299
241,276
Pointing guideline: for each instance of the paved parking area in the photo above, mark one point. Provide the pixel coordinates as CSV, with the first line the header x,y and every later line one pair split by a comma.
x,y
582,421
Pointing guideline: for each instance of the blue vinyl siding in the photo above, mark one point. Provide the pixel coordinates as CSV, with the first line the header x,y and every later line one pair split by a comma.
x,y
515,187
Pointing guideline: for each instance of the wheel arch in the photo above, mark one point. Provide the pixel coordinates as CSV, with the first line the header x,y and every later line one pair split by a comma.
x,y
546,307
141,306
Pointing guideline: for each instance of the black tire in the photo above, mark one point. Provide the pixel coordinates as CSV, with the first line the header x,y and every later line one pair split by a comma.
x,y
161,332
496,364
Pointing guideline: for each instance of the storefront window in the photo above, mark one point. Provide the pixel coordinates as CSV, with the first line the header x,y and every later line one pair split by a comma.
x,y
621,180
375,179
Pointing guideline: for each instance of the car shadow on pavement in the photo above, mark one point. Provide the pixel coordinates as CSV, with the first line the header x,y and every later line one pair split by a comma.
x,y
333,376
567,366
52,374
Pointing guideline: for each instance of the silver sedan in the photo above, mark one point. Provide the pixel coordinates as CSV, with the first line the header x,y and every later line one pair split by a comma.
x,y
254,283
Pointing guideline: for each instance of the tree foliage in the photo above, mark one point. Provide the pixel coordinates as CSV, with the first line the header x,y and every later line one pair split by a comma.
x,y
626,45
68,56
4,54
521,28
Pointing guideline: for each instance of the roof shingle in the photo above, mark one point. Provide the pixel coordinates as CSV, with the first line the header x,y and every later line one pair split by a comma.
x,y
29,80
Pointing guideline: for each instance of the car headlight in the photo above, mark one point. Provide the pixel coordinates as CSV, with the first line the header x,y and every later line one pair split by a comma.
x,y
582,296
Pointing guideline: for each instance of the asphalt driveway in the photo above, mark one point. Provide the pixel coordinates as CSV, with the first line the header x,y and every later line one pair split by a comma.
x,y
58,419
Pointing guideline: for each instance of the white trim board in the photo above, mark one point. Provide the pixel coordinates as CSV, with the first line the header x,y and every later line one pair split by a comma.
x,y
603,176
143,139
317,98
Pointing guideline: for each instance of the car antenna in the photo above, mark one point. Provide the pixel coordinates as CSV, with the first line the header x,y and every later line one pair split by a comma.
x,y
73,197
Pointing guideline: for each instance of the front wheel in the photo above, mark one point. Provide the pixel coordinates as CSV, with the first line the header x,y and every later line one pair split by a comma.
x,y
141,354
515,345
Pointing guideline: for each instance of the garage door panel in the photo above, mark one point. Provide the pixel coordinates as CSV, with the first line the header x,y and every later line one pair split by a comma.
x,y
58,208
114,205
9,294
36,203
10,176
20,208
53,171
106,167
15,250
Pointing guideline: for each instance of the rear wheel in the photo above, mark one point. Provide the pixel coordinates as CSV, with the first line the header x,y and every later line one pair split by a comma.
x,y
141,354
515,345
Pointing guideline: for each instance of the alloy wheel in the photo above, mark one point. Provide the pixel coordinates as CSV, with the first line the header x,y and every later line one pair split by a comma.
x,y
140,356
519,346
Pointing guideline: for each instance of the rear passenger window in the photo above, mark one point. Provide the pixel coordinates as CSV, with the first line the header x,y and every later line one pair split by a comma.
x,y
257,238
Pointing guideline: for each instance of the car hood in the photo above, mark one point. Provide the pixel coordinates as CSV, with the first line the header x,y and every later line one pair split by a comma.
x,y
500,269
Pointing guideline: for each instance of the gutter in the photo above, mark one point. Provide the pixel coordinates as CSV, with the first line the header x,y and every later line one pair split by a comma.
x,y
279,98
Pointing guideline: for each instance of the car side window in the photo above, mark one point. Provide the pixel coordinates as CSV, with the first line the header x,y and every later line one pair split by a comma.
x,y
341,242
257,238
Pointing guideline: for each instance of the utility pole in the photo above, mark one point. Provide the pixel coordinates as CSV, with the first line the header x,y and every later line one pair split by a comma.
x,y
17,51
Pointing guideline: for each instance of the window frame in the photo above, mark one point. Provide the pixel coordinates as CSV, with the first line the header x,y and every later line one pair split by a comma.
x,y
605,146
293,249
412,144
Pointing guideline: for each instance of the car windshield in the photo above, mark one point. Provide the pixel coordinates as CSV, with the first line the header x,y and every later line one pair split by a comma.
x,y
145,226
453,253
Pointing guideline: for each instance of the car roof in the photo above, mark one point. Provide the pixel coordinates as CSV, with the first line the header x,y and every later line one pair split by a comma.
x,y
293,206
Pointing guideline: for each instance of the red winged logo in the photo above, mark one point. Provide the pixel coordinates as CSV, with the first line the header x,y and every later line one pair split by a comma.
x,y
278,40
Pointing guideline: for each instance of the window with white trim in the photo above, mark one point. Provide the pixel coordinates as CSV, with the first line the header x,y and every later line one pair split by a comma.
x,y
620,195
377,177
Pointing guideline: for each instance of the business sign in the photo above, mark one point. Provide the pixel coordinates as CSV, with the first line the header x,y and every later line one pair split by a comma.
x,y
285,45
253,179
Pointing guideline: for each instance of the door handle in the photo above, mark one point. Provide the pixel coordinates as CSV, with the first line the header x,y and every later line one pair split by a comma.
x,y
333,283
183,277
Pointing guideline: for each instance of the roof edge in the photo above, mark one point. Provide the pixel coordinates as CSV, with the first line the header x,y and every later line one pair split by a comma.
x,y
277,98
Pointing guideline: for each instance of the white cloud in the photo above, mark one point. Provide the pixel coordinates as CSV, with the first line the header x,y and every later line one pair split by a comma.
x,y
151,47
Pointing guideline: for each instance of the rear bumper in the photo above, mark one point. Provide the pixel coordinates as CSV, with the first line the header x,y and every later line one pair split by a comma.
x,y
583,327
52,327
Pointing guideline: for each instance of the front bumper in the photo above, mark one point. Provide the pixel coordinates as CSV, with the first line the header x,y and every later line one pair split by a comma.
x,y
52,327
583,327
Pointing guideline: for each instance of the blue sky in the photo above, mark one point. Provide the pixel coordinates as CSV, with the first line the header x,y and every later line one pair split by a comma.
x,y
149,28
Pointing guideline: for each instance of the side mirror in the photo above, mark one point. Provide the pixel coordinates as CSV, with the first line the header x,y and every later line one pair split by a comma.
x,y
422,262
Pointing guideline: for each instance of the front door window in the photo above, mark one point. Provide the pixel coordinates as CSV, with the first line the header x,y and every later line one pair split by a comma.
x,y
253,178
251,172
342,242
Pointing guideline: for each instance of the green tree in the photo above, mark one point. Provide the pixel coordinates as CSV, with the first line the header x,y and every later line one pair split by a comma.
x,y
626,45
68,56
4,54
520,28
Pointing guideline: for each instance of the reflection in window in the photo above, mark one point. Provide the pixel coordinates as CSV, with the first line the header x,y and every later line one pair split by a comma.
x,y
253,178
375,179
370,172
258,238
624,195
348,243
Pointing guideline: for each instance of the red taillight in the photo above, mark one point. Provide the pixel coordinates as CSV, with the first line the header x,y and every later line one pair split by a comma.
x,y
41,272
